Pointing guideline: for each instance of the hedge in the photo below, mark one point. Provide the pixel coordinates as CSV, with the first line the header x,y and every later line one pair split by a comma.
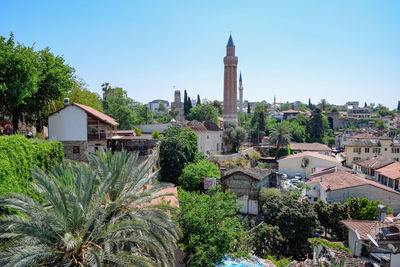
x,y
18,155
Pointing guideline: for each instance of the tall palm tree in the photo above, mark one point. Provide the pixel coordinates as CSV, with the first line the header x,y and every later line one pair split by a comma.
x,y
94,214
280,136
323,105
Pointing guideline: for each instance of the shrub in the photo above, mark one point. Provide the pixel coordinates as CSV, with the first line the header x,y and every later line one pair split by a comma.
x,y
18,155
190,179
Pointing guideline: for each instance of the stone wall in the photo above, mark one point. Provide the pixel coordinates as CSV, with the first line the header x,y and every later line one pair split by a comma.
x,y
371,192
75,150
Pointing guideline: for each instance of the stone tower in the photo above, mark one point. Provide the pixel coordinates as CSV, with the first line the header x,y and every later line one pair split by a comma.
x,y
230,83
240,92
178,104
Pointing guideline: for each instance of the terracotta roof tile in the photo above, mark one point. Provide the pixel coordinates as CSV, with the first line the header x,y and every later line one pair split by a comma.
x,y
362,227
342,179
101,116
310,154
256,173
309,147
375,162
363,136
391,171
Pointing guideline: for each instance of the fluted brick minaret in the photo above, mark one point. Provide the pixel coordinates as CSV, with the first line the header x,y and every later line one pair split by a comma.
x,y
230,83
240,92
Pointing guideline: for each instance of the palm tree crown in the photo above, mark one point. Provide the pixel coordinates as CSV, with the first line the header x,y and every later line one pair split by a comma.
x,y
280,136
94,214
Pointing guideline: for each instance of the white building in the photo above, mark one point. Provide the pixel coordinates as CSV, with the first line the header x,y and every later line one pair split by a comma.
x,y
81,129
341,185
305,163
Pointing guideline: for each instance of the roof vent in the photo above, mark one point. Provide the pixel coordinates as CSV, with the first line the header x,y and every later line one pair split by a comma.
x,y
66,101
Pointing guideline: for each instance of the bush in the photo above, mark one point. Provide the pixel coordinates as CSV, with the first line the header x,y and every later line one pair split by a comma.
x,y
190,179
210,227
18,155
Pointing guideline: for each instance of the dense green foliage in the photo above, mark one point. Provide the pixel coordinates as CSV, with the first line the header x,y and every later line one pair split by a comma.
x,y
95,214
30,80
279,137
80,94
234,136
294,217
118,105
330,215
192,174
210,227
267,240
178,147
18,155
205,112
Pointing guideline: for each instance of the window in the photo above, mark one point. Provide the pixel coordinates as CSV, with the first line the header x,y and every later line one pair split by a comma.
x,y
357,149
356,159
376,150
385,148
367,150
207,137
217,147
75,149
395,150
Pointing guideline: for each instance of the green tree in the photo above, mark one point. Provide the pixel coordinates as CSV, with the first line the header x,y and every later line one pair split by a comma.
x,y
80,94
94,215
177,149
118,105
267,240
294,217
258,123
29,80
162,108
380,125
198,100
280,136
189,105
315,127
144,114
186,108
218,106
205,112
286,106
174,112
323,105
210,227
248,108
193,173
156,135
234,136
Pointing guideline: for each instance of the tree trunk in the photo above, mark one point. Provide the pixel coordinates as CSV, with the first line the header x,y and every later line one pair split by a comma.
x,y
39,123
15,119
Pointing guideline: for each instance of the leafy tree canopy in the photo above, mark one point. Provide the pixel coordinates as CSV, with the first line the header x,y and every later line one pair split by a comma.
x,y
205,112
210,227
234,136
193,173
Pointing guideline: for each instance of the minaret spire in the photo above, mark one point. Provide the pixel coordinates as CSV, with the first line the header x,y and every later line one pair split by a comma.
x,y
230,82
240,92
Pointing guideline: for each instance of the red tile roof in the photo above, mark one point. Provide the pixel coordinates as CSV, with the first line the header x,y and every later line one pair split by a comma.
x,y
391,171
362,227
309,147
375,162
342,180
101,116
363,136
290,111
311,154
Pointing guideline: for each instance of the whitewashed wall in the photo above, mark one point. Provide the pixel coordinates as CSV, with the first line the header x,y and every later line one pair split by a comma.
x,y
69,124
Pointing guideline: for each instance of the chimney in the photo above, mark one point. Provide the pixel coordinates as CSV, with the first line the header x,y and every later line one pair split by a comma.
x,y
66,101
382,213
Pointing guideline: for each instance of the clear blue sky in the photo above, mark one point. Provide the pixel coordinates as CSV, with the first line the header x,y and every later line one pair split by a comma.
x,y
338,50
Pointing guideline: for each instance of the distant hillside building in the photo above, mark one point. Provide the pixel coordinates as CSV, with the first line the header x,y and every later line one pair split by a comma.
x,y
178,105
154,106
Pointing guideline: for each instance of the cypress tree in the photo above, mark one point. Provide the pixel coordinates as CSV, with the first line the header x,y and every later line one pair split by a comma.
x,y
198,100
185,104
189,105
398,106
248,108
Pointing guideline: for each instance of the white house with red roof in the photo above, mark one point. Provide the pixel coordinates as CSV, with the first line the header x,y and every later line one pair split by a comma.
x,y
305,163
341,185
81,129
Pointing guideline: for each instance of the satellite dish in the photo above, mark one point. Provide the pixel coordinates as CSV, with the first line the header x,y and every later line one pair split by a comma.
x,y
373,240
392,248
358,235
